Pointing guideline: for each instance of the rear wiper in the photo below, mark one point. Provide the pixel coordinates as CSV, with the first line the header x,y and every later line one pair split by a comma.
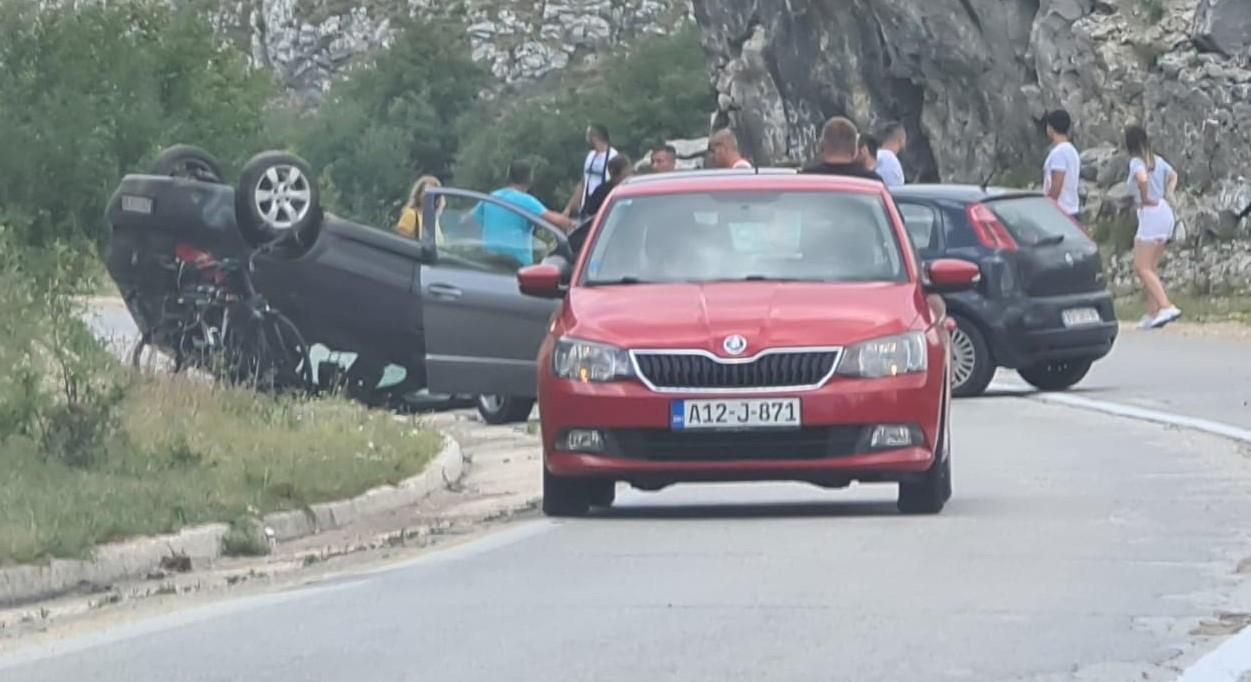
x,y
1050,241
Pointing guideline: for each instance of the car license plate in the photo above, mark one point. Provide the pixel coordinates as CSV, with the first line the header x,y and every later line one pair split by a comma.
x,y
1077,317
134,204
744,413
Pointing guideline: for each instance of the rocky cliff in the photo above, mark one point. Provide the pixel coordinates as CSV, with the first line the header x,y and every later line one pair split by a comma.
x,y
971,79
305,42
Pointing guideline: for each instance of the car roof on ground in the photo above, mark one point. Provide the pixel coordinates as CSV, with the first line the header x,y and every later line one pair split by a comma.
x,y
771,179
961,193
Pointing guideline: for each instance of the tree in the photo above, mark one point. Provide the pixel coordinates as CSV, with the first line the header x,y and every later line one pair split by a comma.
x,y
391,117
659,89
92,92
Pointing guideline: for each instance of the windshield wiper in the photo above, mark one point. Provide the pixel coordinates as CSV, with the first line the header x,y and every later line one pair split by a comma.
x,y
1050,241
620,280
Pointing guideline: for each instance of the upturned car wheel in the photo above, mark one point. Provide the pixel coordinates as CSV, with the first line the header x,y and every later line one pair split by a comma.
x,y
499,409
1055,376
971,365
188,161
565,496
278,199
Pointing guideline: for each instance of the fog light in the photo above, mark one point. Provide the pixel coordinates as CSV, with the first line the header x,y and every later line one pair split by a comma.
x,y
583,440
891,436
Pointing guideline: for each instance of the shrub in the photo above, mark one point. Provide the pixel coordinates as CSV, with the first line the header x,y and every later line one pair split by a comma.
x,y
90,91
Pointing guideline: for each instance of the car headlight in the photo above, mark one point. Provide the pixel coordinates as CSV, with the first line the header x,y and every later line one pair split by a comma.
x,y
586,361
886,357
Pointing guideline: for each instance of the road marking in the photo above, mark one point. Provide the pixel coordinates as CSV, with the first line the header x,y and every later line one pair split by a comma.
x,y
1129,411
1227,663
1230,661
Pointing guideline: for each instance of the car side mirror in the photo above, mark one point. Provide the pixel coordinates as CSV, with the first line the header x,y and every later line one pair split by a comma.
x,y
951,275
546,279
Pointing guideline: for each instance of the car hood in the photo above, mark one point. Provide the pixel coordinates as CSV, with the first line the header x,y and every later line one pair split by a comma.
x,y
766,314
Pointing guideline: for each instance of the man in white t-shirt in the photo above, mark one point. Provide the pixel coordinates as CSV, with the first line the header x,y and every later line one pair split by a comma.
x,y
594,168
724,152
1062,171
893,139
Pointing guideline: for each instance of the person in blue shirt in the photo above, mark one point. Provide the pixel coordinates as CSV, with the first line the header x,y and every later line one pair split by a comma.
x,y
507,233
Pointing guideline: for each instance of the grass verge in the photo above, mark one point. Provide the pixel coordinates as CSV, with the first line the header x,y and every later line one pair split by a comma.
x,y
187,452
1203,309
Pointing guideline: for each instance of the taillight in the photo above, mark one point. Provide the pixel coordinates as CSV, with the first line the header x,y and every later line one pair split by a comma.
x,y
190,254
990,232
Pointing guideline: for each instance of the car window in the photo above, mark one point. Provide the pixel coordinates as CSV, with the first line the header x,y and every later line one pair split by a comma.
x,y
1034,220
712,236
484,236
922,223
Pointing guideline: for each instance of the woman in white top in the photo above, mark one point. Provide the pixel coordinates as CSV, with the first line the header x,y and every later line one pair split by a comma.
x,y
1151,182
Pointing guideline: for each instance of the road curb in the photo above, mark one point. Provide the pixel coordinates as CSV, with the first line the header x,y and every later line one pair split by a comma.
x,y
1208,426
137,558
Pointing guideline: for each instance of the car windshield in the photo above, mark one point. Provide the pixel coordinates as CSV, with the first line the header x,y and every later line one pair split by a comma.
x,y
1035,221
759,235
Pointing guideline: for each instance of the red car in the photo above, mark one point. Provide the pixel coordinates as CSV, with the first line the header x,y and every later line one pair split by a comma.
x,y
742,326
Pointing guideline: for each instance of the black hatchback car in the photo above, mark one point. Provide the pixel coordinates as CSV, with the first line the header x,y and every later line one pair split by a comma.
x,y
1042,306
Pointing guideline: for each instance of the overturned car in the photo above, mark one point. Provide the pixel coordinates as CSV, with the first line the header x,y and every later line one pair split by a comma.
x,y
260,274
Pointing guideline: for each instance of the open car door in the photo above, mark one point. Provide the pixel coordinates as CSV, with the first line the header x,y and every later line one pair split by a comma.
x,y
481,334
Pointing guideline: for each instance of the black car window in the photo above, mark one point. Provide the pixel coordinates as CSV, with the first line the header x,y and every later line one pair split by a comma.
x,y
1035,220
489,238
923,224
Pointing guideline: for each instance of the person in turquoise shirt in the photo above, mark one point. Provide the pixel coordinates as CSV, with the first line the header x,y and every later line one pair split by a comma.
x,y
506,232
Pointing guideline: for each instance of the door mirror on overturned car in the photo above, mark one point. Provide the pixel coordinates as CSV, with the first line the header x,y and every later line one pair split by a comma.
x,y
545,280
950,275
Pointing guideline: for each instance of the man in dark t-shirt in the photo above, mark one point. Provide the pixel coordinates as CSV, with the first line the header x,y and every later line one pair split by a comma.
x,y
840,151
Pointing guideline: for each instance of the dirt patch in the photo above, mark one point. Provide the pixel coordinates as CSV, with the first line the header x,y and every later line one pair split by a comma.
x,y
1223,624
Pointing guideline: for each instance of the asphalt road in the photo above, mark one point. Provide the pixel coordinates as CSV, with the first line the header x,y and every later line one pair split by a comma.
x,y
1078,546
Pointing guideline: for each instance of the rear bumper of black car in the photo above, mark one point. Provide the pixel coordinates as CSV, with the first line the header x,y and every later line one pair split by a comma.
x,y
1024,332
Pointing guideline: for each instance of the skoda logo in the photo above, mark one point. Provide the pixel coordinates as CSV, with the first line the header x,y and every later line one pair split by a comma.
x,y
1068,258
734,344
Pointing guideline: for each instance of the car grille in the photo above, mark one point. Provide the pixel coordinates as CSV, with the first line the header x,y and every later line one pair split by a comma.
x,y
688,371
690,446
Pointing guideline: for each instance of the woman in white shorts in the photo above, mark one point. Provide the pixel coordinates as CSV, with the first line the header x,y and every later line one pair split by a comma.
x,y
1151,182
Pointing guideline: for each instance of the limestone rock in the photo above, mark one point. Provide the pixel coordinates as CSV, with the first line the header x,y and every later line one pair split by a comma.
x,y
1222,26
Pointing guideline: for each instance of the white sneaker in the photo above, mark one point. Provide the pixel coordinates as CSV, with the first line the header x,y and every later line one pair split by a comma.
x,y
1145,322
1165,316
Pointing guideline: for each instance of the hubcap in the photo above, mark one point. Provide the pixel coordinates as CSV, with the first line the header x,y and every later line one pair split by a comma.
x,y
282,197
963,357
491,403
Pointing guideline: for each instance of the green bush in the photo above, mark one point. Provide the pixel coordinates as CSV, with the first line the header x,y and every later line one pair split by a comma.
x,y
657,90
388,119
91,91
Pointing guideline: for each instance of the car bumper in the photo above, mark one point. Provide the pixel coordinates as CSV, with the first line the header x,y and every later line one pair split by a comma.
x,y
831,448
1033,331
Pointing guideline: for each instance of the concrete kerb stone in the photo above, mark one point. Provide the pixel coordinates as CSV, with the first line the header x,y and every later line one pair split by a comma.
x,y
139,557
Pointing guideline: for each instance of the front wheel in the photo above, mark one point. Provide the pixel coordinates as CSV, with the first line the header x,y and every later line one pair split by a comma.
x,y
1055,376
930,494
564,496
501,409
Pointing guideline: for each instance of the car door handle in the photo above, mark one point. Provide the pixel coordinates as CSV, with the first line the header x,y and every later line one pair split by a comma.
x,y
444,291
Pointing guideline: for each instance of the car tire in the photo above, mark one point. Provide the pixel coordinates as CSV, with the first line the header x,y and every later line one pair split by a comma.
x,y
972,366
602,493
188,161
565,497
1055,376
278,199
495,409
930,494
